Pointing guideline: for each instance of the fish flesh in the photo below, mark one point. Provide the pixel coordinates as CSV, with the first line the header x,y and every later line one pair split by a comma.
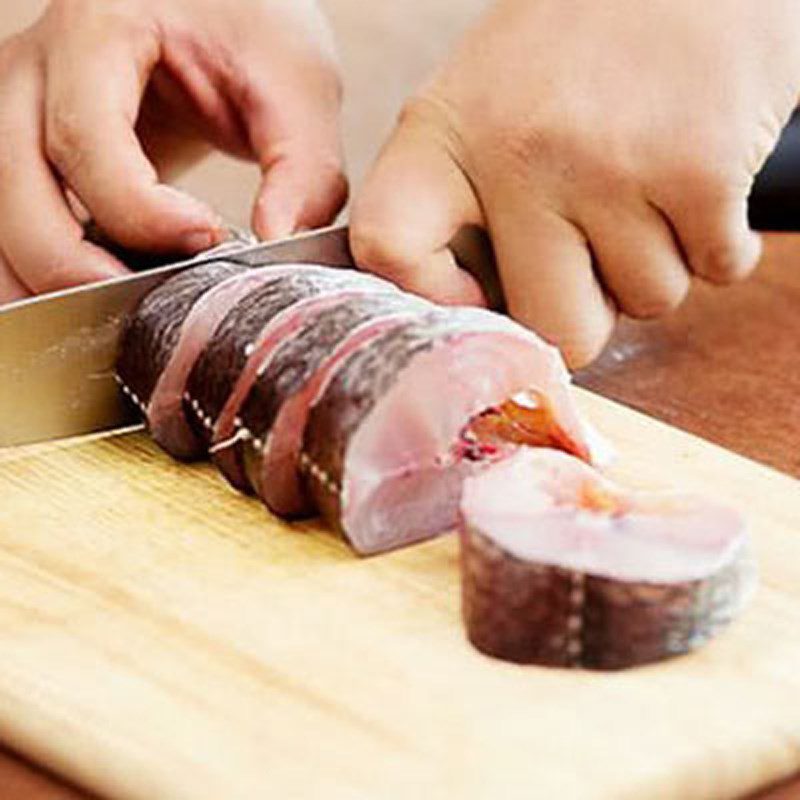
x,y
561,567
381,448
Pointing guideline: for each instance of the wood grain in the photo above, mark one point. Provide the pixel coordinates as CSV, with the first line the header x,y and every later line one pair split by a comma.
x,y
164,637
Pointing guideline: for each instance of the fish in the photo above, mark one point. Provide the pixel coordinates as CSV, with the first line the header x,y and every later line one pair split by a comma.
x,y
382,448
562,567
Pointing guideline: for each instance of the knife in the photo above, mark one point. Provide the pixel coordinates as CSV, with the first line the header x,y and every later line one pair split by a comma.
x,y
57,351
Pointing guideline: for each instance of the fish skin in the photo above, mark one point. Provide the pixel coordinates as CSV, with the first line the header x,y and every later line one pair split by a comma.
x,y
217,369
534,613
297,360
153,330
299,295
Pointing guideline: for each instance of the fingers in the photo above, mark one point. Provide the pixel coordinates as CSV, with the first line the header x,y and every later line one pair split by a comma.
x,y
40,237
413,203
290,101
546,269
11,288
640,262
300,190
95,81
294,134
711,223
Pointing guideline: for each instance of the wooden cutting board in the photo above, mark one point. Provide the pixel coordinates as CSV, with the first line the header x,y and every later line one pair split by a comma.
x,y
163,637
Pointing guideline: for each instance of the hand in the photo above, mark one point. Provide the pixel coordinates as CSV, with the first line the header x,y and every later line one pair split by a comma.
x,y
103,99
608,148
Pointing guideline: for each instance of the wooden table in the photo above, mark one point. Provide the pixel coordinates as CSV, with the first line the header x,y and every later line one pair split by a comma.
x,y
725,367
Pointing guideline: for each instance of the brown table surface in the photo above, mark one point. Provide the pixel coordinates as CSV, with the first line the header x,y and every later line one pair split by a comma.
x,y
722,367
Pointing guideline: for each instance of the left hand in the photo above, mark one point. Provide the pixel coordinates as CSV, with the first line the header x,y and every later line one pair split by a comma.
x,y
101,101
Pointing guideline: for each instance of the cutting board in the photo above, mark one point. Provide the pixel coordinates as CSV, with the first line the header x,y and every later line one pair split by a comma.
x,y
162,637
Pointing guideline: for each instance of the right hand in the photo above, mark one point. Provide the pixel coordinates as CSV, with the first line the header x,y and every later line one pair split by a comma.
x,y
101,100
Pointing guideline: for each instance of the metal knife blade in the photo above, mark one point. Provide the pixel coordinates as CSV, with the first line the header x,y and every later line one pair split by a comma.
x,y
57,351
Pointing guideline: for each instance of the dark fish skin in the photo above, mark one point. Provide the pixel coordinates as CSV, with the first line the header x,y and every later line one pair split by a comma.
x,y
298,359
153,330
534,613
216,371
354,391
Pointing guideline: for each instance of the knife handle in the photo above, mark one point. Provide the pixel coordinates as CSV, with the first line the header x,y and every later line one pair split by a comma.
x,y
775,197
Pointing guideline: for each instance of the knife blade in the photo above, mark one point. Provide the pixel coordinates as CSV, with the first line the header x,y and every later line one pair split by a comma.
x,y
57,351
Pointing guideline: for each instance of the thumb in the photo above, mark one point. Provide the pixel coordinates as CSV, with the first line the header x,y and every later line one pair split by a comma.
x,y
412,204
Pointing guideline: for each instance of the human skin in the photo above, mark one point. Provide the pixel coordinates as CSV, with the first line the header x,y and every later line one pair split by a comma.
x,y
101,102
608,148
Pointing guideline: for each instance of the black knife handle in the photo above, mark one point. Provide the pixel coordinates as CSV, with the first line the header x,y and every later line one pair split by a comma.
x,y
775,198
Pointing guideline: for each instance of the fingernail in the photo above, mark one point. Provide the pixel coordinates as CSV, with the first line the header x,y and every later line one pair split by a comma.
x,y
280,225
197,241
278,219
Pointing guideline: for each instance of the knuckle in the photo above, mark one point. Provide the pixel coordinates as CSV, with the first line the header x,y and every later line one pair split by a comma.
x,y
581,351
435,117
421,110
674,297
643,308
329,79
335,181
53,274
722,262
62,15
92,26
380,247
564,157
339,193
526,145
656,304
579,341
702,177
